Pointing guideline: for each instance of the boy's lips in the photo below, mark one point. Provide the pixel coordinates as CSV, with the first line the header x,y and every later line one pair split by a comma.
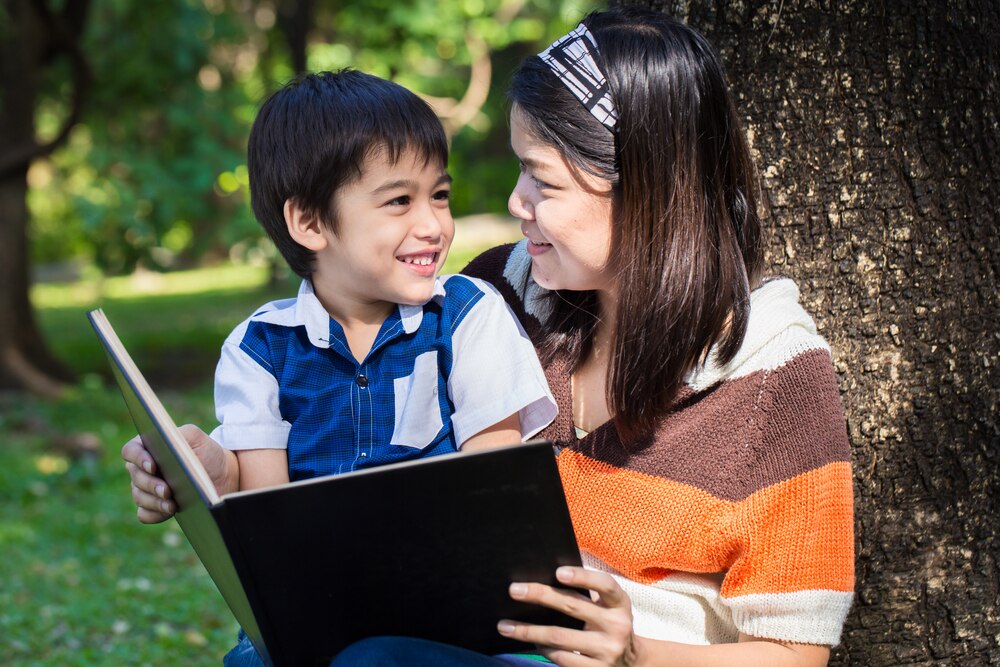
x,y
422,263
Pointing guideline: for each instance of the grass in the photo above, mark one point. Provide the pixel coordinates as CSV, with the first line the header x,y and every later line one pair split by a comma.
x,y
81,581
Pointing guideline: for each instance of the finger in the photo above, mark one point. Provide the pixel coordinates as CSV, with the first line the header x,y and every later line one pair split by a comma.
x,y
194,435
134,452
146,516
609,593
569,658
151,484
152,503
570,602
548,636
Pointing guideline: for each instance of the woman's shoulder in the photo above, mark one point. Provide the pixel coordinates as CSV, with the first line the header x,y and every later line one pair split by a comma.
x,y
491,264
508,268
779,332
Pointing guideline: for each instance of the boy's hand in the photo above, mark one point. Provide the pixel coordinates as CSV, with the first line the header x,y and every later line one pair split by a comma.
x,y
149,491
152,495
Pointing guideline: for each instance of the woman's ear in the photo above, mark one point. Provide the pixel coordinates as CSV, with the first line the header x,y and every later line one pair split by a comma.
x,y
305,227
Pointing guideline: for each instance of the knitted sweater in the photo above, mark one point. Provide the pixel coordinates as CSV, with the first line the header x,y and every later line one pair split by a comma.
x,y
737,517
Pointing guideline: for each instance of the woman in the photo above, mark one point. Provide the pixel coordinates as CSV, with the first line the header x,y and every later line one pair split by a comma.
x,y
703,448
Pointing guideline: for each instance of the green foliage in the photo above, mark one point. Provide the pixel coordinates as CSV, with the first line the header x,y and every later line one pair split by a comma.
x,y
165,118
155,174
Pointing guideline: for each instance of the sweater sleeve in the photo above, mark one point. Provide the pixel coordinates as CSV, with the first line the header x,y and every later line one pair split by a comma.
x,y
793,576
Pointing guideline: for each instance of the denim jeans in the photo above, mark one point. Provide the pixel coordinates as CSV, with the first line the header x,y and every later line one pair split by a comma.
x,y
243,654
410,652
391,652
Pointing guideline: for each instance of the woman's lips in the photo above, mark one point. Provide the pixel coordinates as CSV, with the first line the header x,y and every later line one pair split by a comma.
x,y
536,249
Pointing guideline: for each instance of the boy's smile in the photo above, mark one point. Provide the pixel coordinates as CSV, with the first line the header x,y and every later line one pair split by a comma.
x,y
423,264
393,232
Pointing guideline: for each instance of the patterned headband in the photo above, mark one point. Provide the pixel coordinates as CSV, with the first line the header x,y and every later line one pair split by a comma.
x,y
571,58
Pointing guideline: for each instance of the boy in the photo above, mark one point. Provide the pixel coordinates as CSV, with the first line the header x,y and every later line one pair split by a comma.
x,y
377,359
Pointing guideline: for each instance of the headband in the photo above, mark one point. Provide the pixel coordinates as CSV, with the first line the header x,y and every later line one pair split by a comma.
x,y
571,58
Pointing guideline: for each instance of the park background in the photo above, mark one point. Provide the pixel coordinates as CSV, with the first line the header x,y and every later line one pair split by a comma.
x,y
123,185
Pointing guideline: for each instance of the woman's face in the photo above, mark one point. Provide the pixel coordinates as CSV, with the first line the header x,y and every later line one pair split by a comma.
x,y
565,213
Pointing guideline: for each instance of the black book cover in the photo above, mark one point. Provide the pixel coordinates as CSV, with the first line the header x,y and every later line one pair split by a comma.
x,y
423,549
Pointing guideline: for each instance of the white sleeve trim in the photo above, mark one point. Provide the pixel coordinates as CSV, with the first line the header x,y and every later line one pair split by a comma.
x,y
809,617
246,401
495,372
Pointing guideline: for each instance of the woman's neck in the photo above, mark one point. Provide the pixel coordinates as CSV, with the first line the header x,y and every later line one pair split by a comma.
x,y
589,381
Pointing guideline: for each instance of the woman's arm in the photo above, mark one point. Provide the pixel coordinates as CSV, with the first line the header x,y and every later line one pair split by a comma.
x,y
152,495
608,637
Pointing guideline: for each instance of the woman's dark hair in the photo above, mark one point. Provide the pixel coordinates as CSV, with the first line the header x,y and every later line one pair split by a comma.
x,y
312,137
686,239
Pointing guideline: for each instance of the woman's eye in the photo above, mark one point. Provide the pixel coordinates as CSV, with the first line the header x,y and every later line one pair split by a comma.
x,y
541,185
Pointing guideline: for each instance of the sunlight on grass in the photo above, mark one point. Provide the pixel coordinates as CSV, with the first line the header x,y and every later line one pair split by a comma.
x,y
147,283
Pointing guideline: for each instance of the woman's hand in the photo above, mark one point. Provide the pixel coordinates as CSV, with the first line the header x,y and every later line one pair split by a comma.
x,y
607,637
152,495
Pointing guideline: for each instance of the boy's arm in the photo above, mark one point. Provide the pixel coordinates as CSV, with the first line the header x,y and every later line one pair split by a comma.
x,y
495,373
251,426
262,467
505,432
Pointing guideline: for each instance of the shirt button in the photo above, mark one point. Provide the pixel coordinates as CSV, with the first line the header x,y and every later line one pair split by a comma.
x,y
361,381
363,454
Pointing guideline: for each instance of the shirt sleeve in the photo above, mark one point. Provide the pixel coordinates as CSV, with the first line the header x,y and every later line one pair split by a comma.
x,y
495,371
246,399
793,579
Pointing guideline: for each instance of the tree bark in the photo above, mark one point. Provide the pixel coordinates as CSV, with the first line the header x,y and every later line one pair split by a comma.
x,y
875,130
30,36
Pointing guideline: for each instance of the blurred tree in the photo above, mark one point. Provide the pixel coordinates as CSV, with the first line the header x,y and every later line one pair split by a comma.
x,y
876,129
32,36
153,173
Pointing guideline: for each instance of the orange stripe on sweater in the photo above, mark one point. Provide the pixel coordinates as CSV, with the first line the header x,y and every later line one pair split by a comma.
x,y
794,535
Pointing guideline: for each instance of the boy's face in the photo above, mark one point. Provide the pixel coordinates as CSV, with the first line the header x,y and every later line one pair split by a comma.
x,y
394,229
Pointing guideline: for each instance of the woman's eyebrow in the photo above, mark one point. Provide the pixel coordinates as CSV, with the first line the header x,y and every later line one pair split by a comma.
x,y
534,163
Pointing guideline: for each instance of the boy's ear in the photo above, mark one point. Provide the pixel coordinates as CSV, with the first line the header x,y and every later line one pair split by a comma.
x,y
305,227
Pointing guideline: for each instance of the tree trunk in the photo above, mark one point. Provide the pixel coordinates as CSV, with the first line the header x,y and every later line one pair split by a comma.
x,y
875,130
25,361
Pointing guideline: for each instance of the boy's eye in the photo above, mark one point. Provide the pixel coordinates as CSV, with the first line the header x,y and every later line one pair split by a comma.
x,y
402,200
442,195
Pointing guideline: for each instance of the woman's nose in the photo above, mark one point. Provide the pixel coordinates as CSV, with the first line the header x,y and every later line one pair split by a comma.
x,y
518,204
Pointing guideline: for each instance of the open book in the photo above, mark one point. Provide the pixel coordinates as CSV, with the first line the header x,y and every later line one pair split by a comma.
x,y
421,549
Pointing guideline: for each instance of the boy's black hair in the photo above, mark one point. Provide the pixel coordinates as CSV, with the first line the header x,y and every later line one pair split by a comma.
x,y
313,136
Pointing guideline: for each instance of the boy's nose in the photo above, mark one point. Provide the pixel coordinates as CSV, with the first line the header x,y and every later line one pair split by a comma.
x,y
518,204
430,225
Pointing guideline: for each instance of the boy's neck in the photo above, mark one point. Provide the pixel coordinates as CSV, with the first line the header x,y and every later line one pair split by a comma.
x,y
360,320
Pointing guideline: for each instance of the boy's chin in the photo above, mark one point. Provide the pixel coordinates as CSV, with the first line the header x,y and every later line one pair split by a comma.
x,y
415,297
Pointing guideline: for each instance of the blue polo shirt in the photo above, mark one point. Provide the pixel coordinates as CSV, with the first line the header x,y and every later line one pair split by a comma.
x,y
436,375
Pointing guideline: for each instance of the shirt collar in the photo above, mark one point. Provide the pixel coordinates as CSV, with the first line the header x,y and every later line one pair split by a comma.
x,y
311,314
411,316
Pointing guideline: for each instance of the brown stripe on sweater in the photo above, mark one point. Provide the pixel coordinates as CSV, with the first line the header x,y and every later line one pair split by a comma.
x,y
731,439
734,438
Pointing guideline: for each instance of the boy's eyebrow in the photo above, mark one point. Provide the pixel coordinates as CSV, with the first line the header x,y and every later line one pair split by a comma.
x,y
408,183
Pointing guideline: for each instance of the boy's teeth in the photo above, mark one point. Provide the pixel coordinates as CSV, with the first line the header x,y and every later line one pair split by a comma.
x,y
423,260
